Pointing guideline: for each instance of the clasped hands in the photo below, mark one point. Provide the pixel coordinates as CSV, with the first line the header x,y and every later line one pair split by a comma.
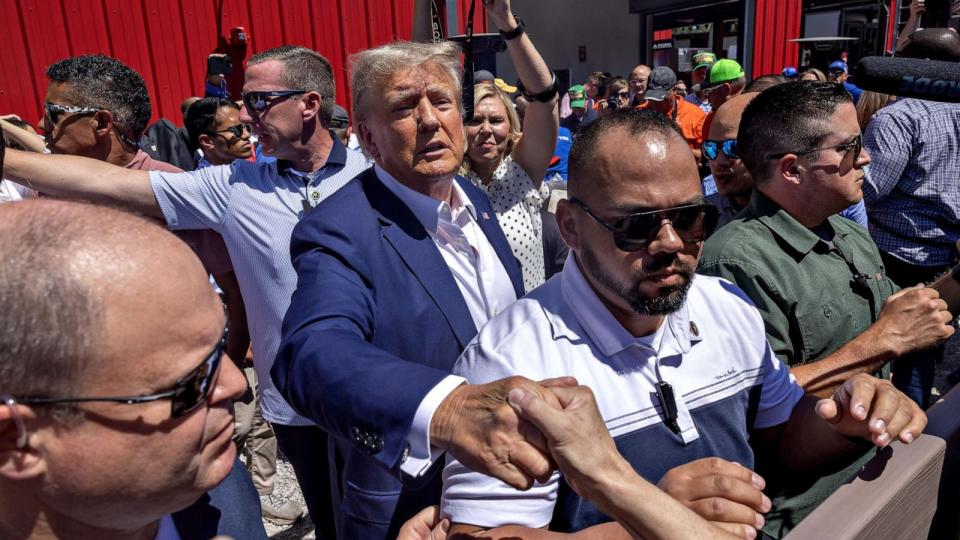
x,y
517,430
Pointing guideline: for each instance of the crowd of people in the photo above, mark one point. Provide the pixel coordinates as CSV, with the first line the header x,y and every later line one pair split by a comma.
x,y
640,307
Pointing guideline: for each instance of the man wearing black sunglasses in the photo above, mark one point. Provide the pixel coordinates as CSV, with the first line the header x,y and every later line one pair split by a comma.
x,y
829,309
115,400
254,206
675,360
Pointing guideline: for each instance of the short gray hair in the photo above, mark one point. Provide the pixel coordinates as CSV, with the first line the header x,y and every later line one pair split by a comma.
x,y
370,68
304,69
50,320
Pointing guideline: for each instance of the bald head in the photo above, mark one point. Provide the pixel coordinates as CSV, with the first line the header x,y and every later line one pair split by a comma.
x,y
79,281
647,136
726,120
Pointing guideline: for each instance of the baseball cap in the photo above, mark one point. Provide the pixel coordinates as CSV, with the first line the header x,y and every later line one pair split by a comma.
x,y
839,65
703,59
482,76
340,118
577,96
724,70
662,80
789,72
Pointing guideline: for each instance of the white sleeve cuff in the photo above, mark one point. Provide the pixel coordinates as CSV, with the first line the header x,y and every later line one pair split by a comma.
x,y
421,454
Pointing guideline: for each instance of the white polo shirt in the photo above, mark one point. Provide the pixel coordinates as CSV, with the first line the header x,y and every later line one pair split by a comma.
x,y
713,351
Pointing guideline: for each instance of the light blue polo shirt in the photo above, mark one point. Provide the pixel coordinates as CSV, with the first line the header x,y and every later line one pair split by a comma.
x,y
254,207
713,351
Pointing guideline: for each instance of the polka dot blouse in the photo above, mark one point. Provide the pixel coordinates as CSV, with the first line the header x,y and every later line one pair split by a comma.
x,y
517,204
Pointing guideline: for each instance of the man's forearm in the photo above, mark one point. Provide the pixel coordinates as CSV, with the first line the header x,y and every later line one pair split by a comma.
x,y
75,177
27,140
865,353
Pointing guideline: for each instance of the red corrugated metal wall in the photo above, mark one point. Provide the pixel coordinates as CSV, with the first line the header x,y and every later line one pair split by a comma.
x,y
776,22
168,41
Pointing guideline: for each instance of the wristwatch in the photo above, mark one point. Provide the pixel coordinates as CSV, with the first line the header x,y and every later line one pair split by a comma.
x,y
516,32
542,97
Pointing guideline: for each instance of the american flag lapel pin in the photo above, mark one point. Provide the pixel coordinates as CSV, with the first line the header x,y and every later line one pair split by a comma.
x,y
485,215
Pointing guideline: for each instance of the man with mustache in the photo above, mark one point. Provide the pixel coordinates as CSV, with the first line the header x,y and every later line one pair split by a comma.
x,y
679,363
829,308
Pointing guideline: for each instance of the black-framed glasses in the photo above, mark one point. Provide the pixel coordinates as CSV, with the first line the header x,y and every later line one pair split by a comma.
x,y
188,392
712,149
693,223
622,94
258,101
52,112
856,145
236,130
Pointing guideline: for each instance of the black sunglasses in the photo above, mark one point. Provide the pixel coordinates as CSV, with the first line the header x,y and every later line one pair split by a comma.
x,y
856,145
257,102
712,149
188,393
52,112
693,222
236,130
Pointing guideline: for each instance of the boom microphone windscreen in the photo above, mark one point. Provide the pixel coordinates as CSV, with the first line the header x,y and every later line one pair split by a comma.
x,y
910,77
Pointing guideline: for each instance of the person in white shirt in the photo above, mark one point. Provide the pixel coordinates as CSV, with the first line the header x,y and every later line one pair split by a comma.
x,y
684,377
110,338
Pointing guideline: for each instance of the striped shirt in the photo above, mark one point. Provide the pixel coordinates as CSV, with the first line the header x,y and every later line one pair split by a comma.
x,y
912,185
713,351
255,206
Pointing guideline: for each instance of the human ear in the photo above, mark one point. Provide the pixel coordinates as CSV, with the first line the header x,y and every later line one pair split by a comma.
x,y
19,459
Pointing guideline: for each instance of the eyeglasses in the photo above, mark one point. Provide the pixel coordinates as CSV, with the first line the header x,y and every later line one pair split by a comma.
x,y
236,130
52,111
693,222
257,102
188,392
712,149
856,145
622,95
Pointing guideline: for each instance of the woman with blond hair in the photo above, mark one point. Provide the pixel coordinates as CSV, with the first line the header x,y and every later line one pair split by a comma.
x,y
871,102
508,160
813,74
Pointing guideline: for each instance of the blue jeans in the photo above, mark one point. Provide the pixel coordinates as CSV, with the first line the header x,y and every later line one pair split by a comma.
x,y
230,509
913,374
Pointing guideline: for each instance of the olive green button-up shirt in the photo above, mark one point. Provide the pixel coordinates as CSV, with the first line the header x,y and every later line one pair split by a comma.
x,y
815,295
816,291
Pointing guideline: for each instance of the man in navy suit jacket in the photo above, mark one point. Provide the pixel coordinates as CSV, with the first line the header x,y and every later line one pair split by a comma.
x,y
396,272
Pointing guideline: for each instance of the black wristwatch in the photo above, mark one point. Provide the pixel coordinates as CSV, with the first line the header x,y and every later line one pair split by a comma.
x,y
542,97
516,32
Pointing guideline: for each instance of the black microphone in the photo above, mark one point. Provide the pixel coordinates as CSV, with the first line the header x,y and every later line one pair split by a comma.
x,y
932,80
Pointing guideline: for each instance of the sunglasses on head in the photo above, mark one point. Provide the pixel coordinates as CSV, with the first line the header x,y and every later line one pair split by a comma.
x,y
692,222
52,112
257,102
188,392
236,130
712,149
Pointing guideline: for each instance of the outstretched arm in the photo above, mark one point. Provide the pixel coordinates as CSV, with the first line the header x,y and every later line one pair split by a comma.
x,y
541,122
83,178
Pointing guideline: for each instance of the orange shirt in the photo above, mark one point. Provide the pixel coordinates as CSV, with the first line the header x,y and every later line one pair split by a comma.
x,y
689,118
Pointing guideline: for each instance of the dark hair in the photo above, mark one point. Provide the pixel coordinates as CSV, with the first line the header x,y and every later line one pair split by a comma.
x,y
201,118
762,83
51,320
303,69
102,82
636,123
788,117
8,141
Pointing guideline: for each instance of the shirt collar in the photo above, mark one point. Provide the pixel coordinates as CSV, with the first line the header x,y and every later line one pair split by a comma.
x,y
605,331
782,224
337,156
426,209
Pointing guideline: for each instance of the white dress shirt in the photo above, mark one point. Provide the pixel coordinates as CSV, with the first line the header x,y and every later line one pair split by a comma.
x,y
480,275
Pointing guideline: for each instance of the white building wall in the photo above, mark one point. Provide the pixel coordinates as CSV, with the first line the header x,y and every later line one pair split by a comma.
x,y
558,28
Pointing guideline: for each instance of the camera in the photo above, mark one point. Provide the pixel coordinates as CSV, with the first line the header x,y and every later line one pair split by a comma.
x,y
613,103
